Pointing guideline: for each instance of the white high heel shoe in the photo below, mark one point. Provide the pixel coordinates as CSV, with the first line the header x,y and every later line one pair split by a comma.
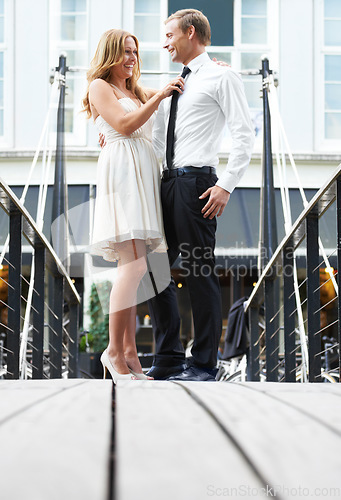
x,y
140,376
114,374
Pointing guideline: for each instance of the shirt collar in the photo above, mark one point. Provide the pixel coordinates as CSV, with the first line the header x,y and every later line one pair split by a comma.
x,y
198,61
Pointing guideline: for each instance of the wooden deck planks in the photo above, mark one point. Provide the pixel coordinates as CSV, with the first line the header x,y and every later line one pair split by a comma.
x,y
320,401
55,439
290,432
292,449
174,441
168,448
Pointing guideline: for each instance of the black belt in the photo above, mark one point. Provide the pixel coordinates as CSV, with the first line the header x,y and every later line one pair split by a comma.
x,y
178,172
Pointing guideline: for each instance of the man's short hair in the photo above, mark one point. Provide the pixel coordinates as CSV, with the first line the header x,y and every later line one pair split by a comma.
x,y
193,17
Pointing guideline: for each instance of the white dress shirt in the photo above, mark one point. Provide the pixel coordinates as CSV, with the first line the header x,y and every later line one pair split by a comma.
x,y
213,97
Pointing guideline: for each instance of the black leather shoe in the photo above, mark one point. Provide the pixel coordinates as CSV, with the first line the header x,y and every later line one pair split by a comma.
x,y
195,374
163,372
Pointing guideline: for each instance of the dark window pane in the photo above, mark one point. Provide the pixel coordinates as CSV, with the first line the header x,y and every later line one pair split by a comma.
x,y
243,209
219,14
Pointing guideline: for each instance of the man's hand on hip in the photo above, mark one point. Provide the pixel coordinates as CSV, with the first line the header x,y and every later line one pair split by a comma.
x,y
218,198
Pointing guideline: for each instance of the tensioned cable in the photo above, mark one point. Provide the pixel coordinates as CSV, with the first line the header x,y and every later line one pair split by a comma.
x,y
278,136
39,217
274,109
52,105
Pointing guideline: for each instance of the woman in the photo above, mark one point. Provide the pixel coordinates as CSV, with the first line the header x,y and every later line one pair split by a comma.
x,y
128,215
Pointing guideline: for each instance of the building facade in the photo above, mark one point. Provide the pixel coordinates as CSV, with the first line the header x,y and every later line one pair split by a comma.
x,y
301,39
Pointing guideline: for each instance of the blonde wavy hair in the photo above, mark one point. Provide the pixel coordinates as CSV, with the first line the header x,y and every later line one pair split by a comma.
x,y
109,53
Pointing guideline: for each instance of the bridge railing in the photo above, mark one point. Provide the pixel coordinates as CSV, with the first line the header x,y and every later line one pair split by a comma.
x,y
289,343
44,343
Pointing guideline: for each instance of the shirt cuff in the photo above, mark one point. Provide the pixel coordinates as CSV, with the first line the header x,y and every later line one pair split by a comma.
x,y
228,181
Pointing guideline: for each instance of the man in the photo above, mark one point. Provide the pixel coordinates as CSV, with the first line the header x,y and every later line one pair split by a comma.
x,y
192,195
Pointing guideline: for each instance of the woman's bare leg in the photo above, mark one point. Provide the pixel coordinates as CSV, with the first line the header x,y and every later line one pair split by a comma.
x,y
129,344
122,312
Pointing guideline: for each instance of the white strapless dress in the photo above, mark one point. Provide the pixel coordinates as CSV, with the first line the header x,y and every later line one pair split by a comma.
x,y
128,203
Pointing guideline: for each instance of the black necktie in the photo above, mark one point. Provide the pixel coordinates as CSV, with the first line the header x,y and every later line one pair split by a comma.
x,y
171,123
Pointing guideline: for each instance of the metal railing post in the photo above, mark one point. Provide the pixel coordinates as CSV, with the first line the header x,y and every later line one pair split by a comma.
x,y
253,358
268,235
313,297
59,235
289,313
60,199
14,291
73,343
56,303
338,244
38,311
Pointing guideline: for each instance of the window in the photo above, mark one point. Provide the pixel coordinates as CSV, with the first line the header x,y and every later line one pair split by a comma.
x,y
148,27
332,69
6,69
327,75
242,31
219,13
69,34
78,205
256,33
2,45
254,21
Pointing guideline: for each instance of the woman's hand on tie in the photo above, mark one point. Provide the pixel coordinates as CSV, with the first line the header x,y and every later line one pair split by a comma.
x,y
177,84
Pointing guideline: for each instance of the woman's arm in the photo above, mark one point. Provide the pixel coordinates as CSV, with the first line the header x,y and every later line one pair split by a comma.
x,y
105,102
150,92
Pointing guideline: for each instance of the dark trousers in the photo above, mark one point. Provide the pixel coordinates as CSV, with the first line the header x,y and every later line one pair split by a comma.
x,y
189,233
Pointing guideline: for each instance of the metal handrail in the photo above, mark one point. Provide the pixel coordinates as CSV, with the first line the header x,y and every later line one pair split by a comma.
x,y
61,290
323,199
302,357
31,231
